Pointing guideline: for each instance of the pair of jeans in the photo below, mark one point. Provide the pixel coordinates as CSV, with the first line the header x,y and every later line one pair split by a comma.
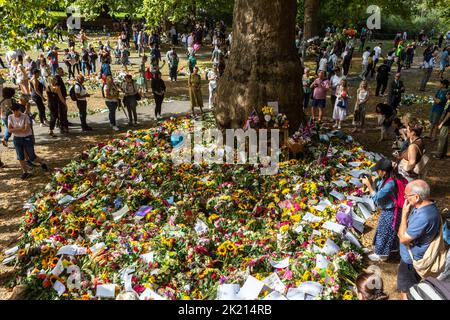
x,y
7,133
41,108
54,68
112,106
70,70
131,103
82,108
85,67
24,145
158,101
306,98
94,66
54,114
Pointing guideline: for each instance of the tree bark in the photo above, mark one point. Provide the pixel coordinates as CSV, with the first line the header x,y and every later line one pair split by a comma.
x,y
311,26
263,66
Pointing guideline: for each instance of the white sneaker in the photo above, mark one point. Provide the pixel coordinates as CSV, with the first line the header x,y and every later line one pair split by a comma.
x,y
376,258
335,125
339,127
115,128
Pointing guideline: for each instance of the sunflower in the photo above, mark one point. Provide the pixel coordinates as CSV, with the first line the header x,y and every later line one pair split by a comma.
x,y
22,252
222,251
321,242
231,247
293,162
45,249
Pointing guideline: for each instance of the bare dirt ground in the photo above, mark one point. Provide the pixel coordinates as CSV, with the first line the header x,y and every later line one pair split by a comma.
x,y
14,192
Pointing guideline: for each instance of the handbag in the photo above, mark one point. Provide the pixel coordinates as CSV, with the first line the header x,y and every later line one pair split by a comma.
x,y
433,262
419,169
342,104
137,95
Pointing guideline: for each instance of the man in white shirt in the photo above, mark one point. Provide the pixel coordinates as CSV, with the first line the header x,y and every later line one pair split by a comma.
x,y
377,55
174,35
365,63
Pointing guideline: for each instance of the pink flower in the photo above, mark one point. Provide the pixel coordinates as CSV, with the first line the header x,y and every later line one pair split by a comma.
x,y
288,275
139,289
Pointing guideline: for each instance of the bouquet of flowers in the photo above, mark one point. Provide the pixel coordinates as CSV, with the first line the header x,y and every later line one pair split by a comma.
x,y
124,218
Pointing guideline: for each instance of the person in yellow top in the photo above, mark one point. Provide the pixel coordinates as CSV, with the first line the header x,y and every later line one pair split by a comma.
x,y
195,91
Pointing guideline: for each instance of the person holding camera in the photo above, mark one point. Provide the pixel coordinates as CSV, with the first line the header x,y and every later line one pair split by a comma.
x,y
384,193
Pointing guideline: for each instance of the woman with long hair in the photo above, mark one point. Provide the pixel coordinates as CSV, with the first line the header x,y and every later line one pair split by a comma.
x,y
359,115
384,193
37,95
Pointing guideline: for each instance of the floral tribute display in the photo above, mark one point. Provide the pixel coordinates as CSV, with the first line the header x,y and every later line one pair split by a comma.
x,y
123,219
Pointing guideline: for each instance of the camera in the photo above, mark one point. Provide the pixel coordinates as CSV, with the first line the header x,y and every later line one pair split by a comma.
x,y
365,175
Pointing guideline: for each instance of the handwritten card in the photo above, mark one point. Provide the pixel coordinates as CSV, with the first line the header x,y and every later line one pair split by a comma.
x,y
356,182
274,283
228,291
335,227
59,287
251,289
275,295
309,217
106,291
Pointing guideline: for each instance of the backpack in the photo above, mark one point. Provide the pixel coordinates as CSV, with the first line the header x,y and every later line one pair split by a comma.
x,y
430,289
399,200
72,92
148,74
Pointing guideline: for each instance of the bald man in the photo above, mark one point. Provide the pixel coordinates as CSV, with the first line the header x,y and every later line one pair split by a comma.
x,y
419,226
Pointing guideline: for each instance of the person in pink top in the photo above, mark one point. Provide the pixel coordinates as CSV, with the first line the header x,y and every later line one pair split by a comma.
x,y
320,88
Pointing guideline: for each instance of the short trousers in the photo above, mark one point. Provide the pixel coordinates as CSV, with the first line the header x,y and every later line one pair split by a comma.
x,y
435,117
319,103
24,145
407,277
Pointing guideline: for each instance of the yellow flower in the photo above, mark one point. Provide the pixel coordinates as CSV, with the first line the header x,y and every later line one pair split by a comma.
x,y
222,251
296,217
285,191
306,275
284,228
282,182
348,295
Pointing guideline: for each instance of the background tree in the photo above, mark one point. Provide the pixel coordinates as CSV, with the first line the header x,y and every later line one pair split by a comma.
x,y
263,66
311,18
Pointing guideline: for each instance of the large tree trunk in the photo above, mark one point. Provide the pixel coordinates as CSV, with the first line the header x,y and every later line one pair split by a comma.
x,y
263,66
311,18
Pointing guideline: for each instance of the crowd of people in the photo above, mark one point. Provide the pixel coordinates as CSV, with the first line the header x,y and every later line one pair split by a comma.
x,y
409,220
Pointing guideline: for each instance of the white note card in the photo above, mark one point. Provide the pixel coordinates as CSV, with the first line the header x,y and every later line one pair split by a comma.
x,y
251,289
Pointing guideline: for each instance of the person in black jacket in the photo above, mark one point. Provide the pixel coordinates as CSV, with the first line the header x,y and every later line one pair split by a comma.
x,y
382,78
159,89
396,90
64,122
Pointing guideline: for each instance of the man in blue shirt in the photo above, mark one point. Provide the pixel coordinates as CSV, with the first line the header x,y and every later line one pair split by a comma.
x,y
419,227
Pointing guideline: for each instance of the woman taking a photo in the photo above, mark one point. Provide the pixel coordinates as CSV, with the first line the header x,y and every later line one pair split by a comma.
x,y
413,155
20,126
384,194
